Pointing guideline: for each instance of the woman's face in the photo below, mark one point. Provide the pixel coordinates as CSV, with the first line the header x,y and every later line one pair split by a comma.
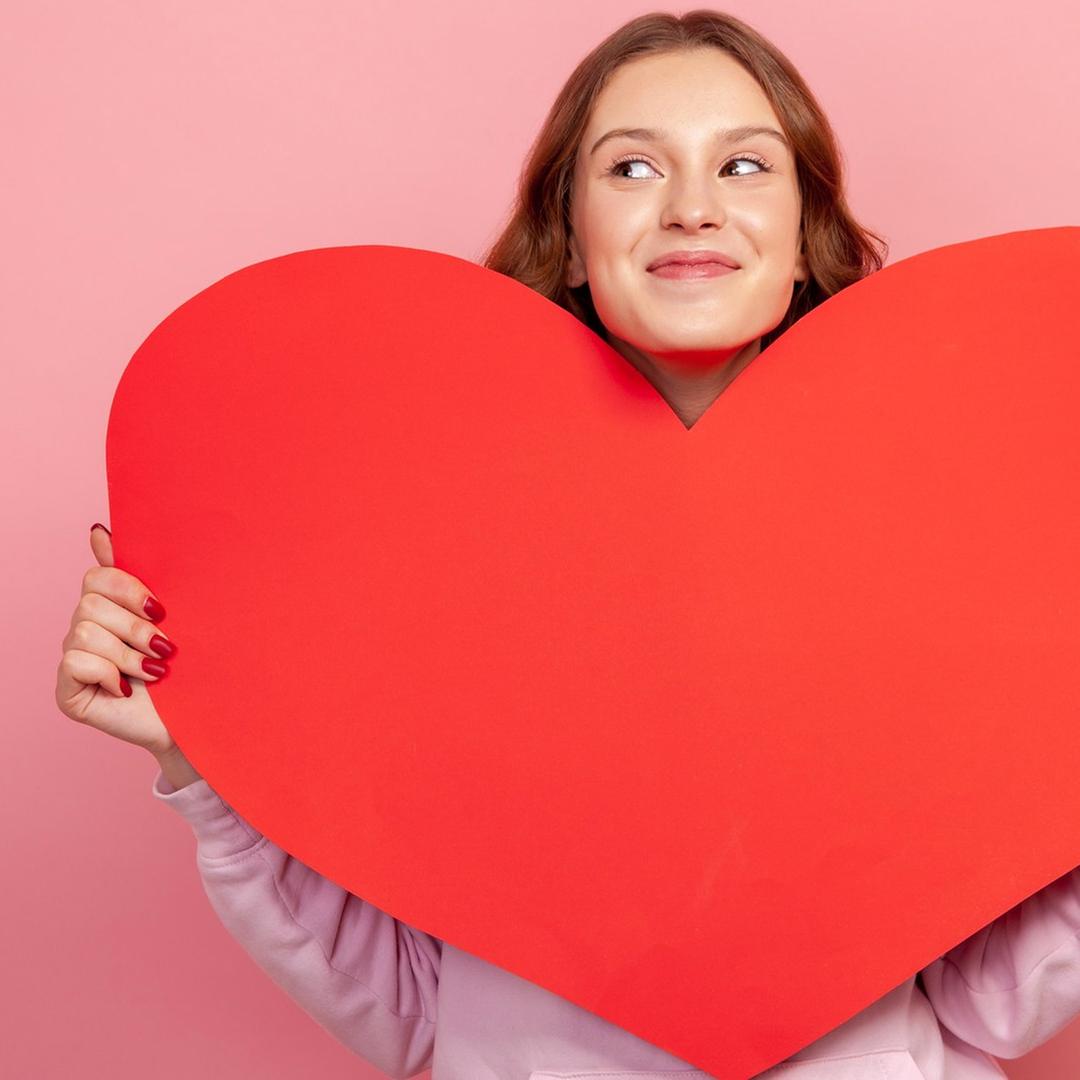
x,y
687,186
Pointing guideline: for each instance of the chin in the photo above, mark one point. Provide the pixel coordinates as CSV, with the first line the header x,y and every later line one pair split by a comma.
x,y
691,343
667,336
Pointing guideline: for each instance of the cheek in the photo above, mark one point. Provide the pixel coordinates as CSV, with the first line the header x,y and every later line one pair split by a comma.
x,y
612,264
772,224
613,227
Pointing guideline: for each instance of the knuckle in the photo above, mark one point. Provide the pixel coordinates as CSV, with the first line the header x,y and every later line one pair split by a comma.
x,y
100,579
89,579
83,633
93,607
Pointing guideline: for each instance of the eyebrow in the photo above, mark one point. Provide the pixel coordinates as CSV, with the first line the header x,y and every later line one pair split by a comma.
x,y
657,135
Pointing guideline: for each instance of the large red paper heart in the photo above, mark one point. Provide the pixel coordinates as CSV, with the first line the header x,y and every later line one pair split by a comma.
x,y
720,732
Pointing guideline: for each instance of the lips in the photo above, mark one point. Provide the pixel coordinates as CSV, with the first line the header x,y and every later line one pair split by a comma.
x,y
691,257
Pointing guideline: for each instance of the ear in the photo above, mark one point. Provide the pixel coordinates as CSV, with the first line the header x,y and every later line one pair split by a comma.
x,y
575,267
802,270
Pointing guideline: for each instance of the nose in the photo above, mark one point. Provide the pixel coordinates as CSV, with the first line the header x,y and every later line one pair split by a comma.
x,y
694,202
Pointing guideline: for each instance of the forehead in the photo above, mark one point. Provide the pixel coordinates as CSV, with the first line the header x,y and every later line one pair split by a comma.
x,y
682,91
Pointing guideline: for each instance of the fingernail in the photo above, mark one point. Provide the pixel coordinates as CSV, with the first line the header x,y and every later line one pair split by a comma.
x,y
125,686
98,525
162,646
153,609
154,667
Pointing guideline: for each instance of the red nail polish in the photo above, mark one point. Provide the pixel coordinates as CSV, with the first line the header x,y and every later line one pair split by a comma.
x,y
98,525
162,646
125,686
154,667
153,609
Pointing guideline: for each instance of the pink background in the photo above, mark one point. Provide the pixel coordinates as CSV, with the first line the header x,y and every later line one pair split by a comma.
x,y
152,148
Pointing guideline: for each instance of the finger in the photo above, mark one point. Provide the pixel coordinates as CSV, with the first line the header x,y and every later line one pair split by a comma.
x,y
135,632
124,589
101,544
78,670
91,637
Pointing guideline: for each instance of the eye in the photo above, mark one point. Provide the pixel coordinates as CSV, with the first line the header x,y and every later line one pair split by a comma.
x,y
630,159
613,169
762,164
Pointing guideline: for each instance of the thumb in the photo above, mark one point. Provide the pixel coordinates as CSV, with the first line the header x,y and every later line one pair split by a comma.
x,y
101,544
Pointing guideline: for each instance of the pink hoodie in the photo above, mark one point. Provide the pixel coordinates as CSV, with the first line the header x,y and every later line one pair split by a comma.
x,y
406,1001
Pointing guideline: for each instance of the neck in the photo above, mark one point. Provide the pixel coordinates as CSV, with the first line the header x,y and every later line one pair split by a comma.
x,y
689,381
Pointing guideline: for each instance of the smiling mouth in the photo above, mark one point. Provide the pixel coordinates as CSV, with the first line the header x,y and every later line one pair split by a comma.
x,y
680,271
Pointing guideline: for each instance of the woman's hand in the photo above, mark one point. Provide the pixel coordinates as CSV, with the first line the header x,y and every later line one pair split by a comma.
x,y
112,634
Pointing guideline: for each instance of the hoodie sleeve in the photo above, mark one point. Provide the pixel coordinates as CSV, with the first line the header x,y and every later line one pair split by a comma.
x,y
1016,982
367,978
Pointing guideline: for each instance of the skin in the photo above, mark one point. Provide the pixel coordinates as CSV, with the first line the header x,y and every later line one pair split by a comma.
x,y
688,338
108,639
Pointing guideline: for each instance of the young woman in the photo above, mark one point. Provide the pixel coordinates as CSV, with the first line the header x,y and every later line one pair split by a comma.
x,y
684,200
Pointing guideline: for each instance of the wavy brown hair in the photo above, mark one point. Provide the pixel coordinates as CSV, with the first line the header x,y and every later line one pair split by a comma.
x,y
533,246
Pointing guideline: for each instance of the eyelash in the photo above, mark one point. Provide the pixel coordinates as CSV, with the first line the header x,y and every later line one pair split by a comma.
x,y
765,166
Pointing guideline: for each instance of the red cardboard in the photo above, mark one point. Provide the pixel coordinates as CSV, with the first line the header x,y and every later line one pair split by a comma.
x,y
720,732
